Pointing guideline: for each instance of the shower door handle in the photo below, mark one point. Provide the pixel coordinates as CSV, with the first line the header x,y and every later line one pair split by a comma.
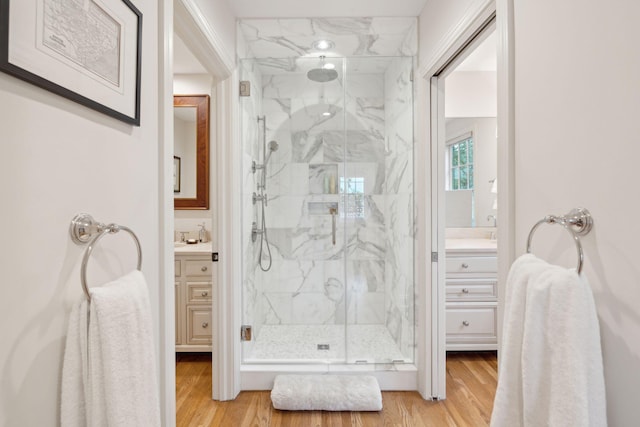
x,y
333,212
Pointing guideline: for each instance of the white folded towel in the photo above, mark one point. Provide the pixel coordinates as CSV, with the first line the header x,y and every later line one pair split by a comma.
x,y
119,375
551,371
73,411
326,393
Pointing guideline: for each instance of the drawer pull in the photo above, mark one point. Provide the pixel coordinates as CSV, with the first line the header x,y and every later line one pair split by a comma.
x,y
205,293
465,323
464,265
205,324
204,268
464,291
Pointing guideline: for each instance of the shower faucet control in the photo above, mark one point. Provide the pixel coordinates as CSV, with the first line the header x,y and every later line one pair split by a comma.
x,y
259,198
255,231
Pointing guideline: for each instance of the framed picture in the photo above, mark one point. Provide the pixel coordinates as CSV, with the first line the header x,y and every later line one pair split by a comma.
x,y
88,51
176,174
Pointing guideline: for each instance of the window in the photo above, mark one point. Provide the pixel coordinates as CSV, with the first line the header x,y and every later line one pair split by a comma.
x,y
460,175
352,191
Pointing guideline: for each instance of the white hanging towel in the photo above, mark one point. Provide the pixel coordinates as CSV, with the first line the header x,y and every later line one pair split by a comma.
x,y
551,370
117,385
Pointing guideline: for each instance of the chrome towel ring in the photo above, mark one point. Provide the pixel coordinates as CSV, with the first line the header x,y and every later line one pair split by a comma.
x,y
578,223
84,229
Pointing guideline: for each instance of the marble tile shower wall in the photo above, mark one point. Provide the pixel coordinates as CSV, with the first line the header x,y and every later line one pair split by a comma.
x,y
309,277
369,137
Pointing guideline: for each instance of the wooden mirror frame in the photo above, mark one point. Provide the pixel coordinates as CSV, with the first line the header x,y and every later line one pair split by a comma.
x,y
201,102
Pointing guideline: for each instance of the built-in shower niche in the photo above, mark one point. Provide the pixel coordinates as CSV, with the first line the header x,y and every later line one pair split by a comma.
x,y
323,178
323,208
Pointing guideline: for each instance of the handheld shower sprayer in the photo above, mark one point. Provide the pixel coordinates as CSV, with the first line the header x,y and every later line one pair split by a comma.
x,y
273,146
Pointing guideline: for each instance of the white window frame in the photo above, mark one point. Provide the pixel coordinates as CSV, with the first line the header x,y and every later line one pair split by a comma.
x,y
449,167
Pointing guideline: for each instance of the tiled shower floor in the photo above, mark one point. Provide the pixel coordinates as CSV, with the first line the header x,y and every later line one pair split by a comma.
x,y
370,343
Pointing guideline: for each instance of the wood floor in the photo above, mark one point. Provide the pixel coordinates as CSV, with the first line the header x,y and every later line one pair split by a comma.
x,y
471,384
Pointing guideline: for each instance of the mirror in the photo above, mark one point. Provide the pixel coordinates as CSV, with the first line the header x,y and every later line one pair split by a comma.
x,y
191,151
471,165
471,155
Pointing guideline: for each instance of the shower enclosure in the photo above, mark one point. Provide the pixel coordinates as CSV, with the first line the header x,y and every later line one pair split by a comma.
x,y
334,212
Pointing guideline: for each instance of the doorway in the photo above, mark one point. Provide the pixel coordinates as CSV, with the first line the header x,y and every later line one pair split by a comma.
x,y
466,165
470,199
194,226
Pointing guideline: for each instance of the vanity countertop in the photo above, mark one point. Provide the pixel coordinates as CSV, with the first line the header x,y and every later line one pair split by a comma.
x,y
470,245
197,249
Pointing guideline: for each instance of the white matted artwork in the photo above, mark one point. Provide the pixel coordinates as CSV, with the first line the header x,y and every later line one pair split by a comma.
x,y
88,51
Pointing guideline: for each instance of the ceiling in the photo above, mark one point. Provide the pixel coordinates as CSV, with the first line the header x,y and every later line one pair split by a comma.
x,y
324,8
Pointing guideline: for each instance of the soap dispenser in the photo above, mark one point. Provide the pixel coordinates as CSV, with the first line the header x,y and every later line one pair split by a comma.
x,y
202,233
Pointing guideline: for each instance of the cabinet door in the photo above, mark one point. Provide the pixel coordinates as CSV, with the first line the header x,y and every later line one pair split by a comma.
x,y
198,267
198,292
471,322
484,264
198,325
471,290
471,326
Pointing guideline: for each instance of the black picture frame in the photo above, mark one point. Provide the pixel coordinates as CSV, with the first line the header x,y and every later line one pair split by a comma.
x,y
117,96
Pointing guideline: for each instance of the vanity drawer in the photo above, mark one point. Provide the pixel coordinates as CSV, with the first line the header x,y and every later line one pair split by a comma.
x,y
198,292
471,290
176,268
198,325
471,321
199,267
480,264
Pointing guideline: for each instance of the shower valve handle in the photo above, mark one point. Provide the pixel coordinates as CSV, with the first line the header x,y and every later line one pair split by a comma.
x,y
333,212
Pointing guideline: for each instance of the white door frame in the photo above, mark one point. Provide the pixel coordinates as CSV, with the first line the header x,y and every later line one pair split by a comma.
x,y
470,24
209,49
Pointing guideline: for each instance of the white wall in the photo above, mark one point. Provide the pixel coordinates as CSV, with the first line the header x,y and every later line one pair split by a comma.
x,y
436,21
60,158
577,101
471,94
222,21
577,95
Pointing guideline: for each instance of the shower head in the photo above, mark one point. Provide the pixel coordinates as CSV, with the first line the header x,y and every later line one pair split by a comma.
x,y
322,74
273,146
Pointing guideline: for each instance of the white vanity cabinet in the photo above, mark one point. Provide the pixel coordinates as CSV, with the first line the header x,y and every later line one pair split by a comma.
x,y
193,294
471,299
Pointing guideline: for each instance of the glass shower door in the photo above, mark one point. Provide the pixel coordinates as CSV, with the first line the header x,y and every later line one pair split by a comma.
x,y
377,207
296,308
328,217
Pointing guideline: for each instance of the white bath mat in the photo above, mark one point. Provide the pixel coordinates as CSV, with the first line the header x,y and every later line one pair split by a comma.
x,y
326,393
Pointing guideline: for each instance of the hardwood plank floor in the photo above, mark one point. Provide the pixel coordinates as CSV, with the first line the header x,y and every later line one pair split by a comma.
x,y
471,385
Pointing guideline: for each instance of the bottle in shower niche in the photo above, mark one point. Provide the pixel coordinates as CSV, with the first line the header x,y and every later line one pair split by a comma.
x,y
332,184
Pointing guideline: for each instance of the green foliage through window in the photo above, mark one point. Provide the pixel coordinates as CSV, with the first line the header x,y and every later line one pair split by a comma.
x,y
461,165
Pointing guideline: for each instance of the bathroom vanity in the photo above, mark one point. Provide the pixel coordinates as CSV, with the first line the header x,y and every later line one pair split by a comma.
x,y
471,294
193,297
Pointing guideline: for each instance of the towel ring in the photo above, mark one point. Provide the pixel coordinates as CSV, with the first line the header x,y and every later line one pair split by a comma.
x,y
83,228
578,223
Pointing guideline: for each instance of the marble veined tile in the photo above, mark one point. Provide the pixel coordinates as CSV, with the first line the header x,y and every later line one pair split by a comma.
x,y
361,146
278,38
